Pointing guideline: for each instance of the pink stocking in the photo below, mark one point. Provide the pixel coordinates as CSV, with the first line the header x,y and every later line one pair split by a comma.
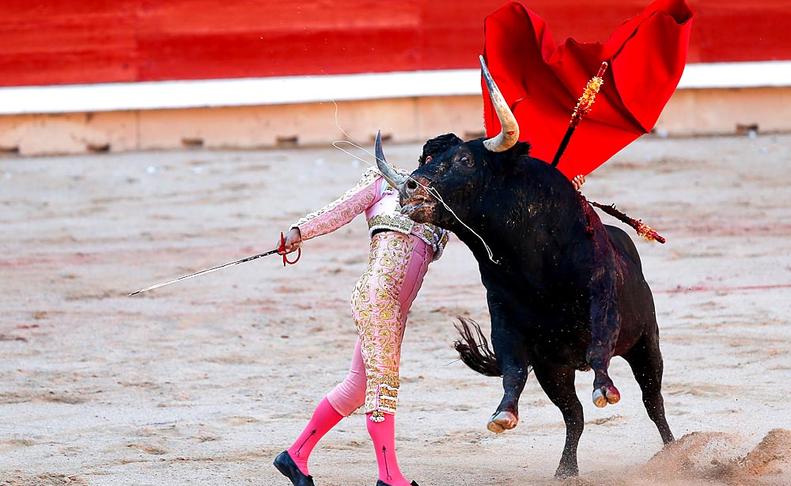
x,y
383,436
324,418
349,394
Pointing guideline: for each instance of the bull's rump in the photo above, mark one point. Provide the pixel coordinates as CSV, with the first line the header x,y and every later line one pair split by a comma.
x,y
635,300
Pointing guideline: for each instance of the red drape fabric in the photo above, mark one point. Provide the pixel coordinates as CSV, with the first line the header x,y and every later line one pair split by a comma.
x,y
542,81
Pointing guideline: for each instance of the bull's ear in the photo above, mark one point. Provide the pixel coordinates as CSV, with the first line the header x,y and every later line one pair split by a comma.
x,y
521,149
510,158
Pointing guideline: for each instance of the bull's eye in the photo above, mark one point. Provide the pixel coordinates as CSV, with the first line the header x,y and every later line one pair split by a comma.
x,y
429,159
465,159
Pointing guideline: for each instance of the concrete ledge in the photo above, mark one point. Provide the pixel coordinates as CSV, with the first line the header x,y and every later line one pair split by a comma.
x,y
690,112
712,99
693,112
215,93
404,120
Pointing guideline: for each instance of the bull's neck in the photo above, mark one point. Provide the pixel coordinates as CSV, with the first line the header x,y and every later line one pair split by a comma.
x,y
491,228
521,228
478,242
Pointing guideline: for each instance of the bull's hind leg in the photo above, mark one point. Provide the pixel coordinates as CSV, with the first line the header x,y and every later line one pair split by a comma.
x,y
605,328
645,360
558,384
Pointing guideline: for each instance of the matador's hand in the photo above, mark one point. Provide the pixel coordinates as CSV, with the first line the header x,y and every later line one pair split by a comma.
x,y
578,181
293,241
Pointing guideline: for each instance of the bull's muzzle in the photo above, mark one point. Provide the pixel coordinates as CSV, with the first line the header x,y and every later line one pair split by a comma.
x,y
416,201
410,188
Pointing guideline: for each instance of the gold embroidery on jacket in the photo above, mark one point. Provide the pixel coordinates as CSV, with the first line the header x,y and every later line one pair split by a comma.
x,y
432,235
368,177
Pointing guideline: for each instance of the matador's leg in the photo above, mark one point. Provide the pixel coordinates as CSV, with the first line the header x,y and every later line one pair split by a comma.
x,y
377,315
380,304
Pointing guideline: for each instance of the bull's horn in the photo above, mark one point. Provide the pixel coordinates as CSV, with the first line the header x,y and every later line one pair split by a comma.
x,y
391,176
509,133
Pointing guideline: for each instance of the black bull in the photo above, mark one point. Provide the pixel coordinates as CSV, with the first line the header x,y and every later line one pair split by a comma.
x,y
567,292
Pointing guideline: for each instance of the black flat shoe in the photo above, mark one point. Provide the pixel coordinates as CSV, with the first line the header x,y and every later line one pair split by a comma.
x,y
289,469
382,483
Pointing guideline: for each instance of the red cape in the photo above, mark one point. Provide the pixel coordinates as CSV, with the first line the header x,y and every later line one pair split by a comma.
x,y
542,81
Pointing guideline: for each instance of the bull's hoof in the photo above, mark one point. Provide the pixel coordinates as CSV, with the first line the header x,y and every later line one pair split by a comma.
x,y
613,395
599,399
606,395
502,421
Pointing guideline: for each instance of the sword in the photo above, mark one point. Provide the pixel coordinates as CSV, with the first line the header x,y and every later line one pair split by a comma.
x,y
204,272
229,264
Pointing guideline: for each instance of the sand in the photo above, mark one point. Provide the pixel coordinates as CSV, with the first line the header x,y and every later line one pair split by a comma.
x,y
206,381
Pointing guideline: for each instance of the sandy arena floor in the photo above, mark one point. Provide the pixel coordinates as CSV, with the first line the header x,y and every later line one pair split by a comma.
x,y
206,381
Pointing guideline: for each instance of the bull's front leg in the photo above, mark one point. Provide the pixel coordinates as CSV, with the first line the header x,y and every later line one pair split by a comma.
x,y
605,322
510,347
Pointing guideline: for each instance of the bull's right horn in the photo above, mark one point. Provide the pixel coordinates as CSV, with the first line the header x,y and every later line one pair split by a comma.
x,y
509,133
391,176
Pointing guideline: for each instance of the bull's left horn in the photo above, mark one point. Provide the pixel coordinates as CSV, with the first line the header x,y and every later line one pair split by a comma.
x,y
391,176
509,133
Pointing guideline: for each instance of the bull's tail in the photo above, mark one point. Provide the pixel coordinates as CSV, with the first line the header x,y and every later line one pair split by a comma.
x,y
474,350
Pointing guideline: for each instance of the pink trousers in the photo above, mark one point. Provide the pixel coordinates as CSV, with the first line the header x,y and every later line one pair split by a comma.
x,y
381,300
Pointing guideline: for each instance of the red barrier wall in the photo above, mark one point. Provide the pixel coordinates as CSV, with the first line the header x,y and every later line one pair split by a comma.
x,y
87,41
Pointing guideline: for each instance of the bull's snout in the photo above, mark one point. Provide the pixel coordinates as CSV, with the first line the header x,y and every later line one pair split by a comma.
x,y
416,202
410,187
414,188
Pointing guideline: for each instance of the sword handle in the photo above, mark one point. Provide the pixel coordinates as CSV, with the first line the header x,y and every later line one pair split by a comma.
x,y
289,262
282,251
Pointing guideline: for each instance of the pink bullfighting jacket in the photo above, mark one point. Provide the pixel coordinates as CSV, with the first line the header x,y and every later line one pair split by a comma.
x,y
374,196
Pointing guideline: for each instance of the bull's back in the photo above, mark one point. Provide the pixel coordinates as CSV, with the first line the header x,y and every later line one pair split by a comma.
x,y
624,244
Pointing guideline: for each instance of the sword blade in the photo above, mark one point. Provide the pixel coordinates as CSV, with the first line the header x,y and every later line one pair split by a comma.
x,y
203,272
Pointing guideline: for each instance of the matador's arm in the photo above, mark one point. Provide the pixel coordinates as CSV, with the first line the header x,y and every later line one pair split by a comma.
x,y
356,200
